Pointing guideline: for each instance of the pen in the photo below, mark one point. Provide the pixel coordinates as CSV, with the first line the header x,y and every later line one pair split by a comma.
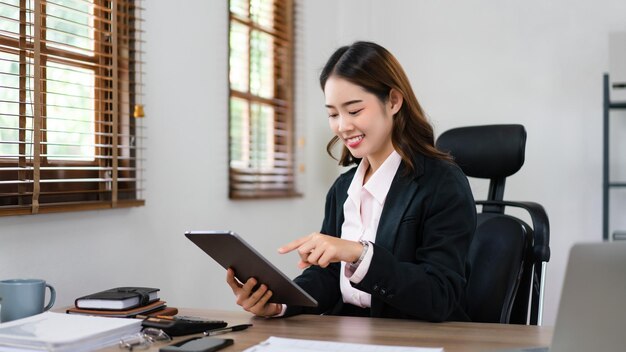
x,y
166,317
227,329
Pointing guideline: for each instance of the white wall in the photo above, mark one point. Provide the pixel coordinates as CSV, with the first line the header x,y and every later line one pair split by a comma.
x,y
537,63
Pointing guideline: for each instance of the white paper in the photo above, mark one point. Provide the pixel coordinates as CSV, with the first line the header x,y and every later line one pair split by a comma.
x,y
279,344
60,331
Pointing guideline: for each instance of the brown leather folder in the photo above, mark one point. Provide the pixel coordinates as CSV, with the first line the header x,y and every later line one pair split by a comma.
x,y
156,308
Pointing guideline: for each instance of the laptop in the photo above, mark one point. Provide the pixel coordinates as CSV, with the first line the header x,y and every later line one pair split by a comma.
x,y
592,311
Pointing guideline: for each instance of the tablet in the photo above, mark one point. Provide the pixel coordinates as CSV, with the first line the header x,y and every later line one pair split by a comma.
x,y
231,251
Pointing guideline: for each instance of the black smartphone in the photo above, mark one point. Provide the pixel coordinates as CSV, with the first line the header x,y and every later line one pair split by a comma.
x,y
198,344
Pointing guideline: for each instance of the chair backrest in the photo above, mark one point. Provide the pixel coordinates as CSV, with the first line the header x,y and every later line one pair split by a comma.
x,y
495,265
504,264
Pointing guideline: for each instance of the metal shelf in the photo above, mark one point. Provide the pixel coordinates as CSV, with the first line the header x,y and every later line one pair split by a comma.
x,y
619,236
608,105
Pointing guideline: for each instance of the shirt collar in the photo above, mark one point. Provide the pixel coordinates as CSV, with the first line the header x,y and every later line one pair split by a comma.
x,y
354,191
379,183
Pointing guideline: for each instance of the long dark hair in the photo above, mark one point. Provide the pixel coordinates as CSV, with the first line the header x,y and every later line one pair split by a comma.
x,y
376,70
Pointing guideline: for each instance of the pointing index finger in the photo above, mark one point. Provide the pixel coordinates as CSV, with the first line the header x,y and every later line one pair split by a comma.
x,y
292,245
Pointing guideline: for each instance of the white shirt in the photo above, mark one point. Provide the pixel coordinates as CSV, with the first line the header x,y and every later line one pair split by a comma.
x,y
362,212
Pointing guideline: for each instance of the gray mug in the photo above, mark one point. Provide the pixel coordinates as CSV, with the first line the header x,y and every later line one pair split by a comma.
x,y
20,298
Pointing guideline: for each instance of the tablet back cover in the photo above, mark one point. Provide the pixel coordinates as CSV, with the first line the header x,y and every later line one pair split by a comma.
x,y
231,251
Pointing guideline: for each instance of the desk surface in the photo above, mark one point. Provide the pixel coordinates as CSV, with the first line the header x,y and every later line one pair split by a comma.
x,y
459,337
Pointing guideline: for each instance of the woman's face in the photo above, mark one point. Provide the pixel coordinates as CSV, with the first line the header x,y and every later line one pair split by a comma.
x,y
360,120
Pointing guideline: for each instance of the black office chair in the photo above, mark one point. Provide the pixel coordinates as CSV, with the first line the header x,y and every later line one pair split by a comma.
x,y
507,258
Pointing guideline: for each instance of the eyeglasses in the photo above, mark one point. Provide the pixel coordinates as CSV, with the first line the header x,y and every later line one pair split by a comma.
x,y
144,339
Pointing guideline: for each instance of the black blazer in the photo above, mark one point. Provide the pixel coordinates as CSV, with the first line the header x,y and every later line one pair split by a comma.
x,y
418,267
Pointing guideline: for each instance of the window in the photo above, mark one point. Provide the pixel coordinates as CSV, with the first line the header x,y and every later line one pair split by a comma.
x,y
69,81
261,99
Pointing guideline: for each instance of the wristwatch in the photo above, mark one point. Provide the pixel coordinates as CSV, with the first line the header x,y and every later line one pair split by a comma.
x,y
366,246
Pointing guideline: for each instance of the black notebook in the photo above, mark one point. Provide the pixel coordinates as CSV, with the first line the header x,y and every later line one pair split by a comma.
x,y
119,298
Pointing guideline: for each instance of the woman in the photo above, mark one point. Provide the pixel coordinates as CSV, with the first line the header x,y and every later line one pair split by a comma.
x,y
397,226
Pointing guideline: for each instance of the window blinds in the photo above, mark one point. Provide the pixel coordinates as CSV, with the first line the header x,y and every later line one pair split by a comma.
x,y
69,71
261,99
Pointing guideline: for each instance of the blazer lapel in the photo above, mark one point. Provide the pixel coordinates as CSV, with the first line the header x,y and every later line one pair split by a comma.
x,y
402,190
342,196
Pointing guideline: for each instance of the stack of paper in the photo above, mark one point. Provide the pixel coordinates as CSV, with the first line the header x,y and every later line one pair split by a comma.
x,y
63,332
279,344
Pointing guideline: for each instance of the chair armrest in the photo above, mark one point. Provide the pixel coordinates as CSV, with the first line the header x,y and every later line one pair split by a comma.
x,y
541,225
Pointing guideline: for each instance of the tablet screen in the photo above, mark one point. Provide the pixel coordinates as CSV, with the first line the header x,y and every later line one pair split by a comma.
x,y
231,251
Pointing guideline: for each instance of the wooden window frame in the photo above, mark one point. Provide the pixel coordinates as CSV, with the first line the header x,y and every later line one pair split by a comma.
x,y
278,180
111,179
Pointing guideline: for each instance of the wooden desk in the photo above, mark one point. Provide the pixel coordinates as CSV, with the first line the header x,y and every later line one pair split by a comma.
x,y
454,337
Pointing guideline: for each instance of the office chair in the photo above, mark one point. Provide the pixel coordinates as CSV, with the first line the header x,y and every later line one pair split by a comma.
x,y
507,258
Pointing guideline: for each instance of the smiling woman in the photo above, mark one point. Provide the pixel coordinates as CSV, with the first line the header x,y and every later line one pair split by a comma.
x,y
68,140
398,225
361,120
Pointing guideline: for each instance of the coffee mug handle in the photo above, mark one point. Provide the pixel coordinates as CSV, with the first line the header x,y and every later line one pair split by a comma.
x,y
53,296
